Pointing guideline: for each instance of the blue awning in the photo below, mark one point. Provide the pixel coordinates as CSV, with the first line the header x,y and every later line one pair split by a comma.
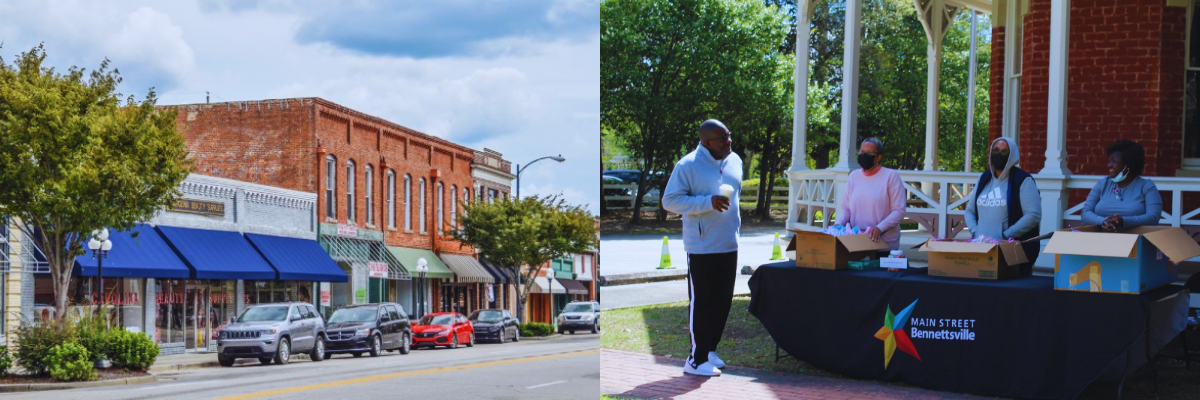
x,y
144,256
217,254
297,259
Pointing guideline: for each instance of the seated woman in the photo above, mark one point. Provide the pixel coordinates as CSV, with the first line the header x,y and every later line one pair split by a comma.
x,y
1007,203
874,197
1124,199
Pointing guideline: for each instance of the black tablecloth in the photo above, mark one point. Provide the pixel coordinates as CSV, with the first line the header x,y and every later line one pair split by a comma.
x,y
1013,337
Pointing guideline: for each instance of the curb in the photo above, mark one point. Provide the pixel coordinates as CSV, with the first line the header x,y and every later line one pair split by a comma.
x,y
197,365
37,387
643,277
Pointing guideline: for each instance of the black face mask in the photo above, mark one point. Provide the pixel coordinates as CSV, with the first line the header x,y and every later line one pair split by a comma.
x,y
867,161
999,161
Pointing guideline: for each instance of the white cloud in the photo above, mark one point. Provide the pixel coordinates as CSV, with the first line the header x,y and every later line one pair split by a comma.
x,y
154,46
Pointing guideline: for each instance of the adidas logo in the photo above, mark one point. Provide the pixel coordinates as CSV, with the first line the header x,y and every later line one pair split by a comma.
x,y
994,198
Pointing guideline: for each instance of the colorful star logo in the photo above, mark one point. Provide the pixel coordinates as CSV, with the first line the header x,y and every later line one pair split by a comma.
x,y
892,334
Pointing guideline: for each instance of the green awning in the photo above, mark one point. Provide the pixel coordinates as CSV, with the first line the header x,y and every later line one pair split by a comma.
x,y
408,257
355,250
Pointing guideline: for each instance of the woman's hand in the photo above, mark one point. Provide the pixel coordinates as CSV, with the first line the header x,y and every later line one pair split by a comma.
x,y
873,233
1113,223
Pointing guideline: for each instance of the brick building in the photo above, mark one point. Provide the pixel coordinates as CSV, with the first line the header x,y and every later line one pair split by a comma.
x,y
1127,73
492,179
387,194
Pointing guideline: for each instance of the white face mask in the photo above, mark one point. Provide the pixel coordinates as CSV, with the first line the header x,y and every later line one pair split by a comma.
x,y
1121,175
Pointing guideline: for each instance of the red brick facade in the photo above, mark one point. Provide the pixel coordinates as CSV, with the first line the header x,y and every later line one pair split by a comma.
x,y
1125,80
996,109
285,143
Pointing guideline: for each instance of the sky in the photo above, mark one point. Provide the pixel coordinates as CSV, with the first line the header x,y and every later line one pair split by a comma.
x,y
519,77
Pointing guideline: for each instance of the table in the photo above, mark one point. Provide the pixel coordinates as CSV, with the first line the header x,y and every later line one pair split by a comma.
x,y
1012,337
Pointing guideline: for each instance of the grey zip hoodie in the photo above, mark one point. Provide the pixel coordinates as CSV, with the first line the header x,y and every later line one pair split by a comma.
x,y
696,179
990,217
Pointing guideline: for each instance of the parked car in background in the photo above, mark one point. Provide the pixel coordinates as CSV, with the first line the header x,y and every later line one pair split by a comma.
x,y
368,328
633,176
579,315
498,325
273,332
443,329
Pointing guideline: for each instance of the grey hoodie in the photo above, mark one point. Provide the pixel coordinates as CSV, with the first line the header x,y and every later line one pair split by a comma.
x,y
696,179
990,216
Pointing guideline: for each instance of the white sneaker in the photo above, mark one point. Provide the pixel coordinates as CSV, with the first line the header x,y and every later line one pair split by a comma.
x,y
715,361
706,369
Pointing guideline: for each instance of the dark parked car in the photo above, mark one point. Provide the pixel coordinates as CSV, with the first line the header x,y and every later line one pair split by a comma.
x,y
498,325
368,328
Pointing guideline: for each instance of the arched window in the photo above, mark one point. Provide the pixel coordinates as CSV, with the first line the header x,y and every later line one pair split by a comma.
x,y
391,198
453,207
370,202
441,210
466,195
408,203
422,207
350,191
330,184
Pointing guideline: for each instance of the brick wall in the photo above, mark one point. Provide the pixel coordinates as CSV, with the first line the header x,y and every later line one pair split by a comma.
x,y
275,142
996,109
1125,80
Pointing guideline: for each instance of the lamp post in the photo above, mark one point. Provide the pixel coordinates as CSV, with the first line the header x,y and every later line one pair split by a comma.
x,y
422,268
100,245
558,158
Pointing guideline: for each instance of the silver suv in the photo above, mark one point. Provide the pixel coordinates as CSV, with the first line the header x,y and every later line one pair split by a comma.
x,y
579,315
273,332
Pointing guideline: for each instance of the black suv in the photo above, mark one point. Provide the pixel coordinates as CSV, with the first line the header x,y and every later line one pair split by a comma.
x,y
368,328
498,325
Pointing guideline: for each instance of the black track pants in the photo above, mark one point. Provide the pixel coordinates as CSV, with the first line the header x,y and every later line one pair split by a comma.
x,y
710,292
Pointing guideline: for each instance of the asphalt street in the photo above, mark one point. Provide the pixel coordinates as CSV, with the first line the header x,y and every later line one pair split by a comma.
x,y
553,369
643,294
623,254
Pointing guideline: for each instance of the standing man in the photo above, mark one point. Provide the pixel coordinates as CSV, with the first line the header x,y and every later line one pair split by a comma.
x,y
710,232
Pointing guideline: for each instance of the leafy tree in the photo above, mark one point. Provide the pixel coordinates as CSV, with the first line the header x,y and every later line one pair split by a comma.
x,y
530,231
74,158
668,65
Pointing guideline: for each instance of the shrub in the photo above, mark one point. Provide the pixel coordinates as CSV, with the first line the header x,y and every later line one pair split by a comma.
x,y
93,338
70,362
34,342
132,350
536,329
5,360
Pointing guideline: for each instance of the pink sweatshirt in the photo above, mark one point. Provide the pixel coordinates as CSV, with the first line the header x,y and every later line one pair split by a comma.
x,y
876,200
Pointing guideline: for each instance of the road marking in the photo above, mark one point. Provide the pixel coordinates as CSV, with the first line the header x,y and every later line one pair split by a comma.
x,y
405,374
545,384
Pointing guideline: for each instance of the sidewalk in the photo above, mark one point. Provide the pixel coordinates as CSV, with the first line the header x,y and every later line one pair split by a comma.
x,y
642,376
176,362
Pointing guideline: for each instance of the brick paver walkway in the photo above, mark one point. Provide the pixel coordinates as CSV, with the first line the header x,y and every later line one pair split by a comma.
x,y
642,376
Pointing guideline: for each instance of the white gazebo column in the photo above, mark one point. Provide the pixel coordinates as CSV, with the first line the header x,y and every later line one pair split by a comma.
x,y
971,93
847,147
1052,178
936,18
800,105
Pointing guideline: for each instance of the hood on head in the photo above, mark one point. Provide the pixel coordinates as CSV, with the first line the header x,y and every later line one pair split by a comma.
x,y
1014,155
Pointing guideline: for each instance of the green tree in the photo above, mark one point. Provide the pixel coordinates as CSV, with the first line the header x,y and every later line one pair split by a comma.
x,y
74,158
529,231
668,65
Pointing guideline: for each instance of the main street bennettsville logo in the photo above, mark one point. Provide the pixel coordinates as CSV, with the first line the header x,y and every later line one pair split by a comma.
x,y
892,334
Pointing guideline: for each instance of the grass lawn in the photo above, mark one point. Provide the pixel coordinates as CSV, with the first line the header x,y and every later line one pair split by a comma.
x,y
661,330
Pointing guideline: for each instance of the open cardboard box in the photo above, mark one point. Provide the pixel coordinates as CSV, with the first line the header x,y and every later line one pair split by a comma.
x,y
961,259
820,250
1132,261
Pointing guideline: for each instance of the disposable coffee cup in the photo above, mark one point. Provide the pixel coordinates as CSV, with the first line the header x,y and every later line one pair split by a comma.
x,y
727,191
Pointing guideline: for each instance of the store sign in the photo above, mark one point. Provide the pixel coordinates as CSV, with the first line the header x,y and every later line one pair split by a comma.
x,y
378,269
348,230
360,296
117,299
202,207
326,295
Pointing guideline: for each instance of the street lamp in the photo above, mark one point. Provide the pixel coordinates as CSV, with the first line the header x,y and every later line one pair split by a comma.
x,y
100,245
422,268
558,158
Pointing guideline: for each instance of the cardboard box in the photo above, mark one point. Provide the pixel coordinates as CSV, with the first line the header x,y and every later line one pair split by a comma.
x,y
820,250
1133,261
961,259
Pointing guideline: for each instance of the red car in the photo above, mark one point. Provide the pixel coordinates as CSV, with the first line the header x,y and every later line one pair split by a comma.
x,y
443,329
